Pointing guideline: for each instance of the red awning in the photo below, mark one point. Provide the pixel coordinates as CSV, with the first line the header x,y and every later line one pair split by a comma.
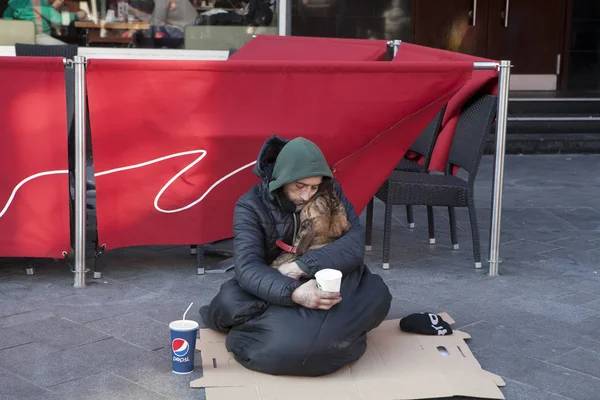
x,y
174,142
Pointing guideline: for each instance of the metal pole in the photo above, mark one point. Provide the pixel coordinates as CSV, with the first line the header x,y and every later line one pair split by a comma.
x,y
478,65
80,171
501,117
102,16
395,44
284,17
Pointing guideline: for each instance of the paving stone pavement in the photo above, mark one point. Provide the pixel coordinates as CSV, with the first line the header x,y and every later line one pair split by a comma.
x,y
537,324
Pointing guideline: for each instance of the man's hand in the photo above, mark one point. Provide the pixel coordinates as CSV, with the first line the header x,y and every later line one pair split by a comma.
x,y
292,270
81,15
310,296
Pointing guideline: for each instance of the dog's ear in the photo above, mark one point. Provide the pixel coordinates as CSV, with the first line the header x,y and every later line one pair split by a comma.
x,y
326,188
339,220
305,237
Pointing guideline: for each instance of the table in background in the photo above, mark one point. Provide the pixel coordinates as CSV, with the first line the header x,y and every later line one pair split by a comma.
x,y
114,31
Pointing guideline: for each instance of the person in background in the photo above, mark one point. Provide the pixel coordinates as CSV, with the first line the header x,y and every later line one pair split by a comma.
x,y
245,12
168,21
43,15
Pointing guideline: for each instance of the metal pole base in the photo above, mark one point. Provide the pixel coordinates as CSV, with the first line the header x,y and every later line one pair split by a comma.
x,y
477,265
79,277
411,225
386,265
30,271
368,248
493,271
431,241
455,247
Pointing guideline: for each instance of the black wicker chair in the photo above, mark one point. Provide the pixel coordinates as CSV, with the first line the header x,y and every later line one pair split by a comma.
x,y
418,188
422,146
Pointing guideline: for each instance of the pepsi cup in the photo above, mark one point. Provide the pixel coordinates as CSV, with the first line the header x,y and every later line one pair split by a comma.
x,y
183,345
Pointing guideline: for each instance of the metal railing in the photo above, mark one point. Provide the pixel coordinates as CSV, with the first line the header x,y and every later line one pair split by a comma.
x,y
498,183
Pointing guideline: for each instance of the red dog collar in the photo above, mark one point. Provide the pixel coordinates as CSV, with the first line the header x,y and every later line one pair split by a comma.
x,y
285,247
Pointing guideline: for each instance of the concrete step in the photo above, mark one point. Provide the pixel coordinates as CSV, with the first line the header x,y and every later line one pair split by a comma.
x,y
550,103
554,143
551,123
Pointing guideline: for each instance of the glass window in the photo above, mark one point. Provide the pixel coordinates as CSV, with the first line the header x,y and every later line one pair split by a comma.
x,y
356,19
168,24
584,67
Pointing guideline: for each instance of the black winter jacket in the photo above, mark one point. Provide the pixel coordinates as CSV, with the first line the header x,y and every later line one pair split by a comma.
x,y
260,219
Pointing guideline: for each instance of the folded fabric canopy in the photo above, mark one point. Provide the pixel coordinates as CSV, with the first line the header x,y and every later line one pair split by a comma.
x,y
268,47
484,81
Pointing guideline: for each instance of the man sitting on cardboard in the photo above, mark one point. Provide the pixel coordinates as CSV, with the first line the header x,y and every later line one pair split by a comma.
x,y
278,321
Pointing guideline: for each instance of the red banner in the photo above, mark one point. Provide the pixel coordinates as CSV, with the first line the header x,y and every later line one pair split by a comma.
x,y
34,185
299,48
484,81
174,142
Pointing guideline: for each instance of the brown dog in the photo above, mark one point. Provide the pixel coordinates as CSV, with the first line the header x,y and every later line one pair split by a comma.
x,y
322,220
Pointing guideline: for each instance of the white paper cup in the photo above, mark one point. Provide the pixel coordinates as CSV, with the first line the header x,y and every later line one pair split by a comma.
x,y
329,280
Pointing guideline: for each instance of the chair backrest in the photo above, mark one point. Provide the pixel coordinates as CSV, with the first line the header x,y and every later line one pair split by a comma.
x,y
219,37
13,31
425,142
40,50
474,124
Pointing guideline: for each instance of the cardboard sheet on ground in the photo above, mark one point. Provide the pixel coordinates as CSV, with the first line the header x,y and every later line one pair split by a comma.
x,y
396,366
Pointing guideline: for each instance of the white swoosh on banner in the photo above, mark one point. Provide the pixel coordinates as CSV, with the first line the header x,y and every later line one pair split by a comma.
x,y
202,153
24,181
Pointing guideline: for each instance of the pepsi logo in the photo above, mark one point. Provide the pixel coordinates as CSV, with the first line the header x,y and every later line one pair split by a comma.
x,y
180,347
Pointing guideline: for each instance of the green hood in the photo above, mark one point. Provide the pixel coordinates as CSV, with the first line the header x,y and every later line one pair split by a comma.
x,y
298,159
